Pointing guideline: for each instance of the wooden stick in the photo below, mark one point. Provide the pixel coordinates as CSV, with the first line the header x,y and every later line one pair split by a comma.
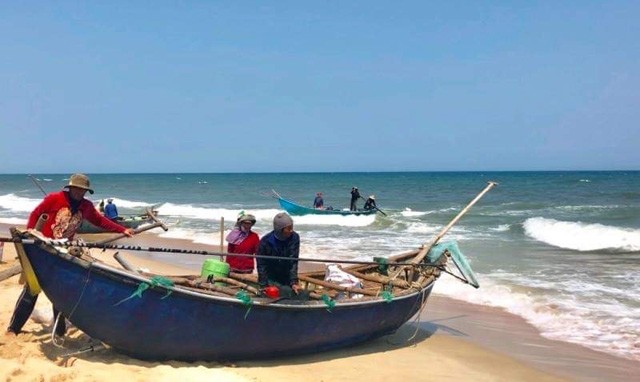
x,y
135,232
246,277
10,272
237,283
221,236
125,264
41,220
427,246
379,279
335,286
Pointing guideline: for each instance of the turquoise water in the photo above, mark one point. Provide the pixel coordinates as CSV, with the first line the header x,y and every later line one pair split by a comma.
x,y
560,249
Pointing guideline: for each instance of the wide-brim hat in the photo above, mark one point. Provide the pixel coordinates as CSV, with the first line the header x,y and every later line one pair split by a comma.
x,y
372,197
80,181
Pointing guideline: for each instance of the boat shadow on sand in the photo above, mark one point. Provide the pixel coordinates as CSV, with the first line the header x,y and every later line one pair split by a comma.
x,y
77,345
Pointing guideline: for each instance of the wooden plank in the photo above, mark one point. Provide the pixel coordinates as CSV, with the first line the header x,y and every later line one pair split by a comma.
x,y
379,279
335,286
10,272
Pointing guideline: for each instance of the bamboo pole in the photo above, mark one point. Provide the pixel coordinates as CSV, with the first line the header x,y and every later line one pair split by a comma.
x,y
335,286
10,272
378,278
222,236
426,247
135,232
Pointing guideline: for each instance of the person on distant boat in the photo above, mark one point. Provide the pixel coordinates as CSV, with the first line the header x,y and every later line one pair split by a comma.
x,y
110,210
282,242
242,240
101,206
370,203
318,202
355,195
65,211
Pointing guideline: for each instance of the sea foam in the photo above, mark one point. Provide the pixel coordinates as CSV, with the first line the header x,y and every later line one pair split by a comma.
x,y
580,236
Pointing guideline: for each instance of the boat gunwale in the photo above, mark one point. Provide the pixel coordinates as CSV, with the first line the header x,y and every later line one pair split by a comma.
x,y
113,272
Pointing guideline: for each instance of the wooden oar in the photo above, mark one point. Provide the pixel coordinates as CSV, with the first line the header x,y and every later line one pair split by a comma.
x,y
426,247
335,286
157,223
10,272
379,210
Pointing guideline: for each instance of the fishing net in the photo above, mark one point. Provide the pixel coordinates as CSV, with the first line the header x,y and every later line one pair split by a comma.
x,y
458,259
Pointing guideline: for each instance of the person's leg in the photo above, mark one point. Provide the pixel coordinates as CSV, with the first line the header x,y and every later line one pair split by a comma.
x,y
24,307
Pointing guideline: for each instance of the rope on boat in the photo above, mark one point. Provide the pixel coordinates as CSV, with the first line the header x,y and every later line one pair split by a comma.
x,y
54,340
329,302
387,296
153,282
417,319
90,348
246,301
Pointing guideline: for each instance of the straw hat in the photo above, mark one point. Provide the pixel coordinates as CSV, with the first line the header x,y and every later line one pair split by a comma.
x,y
80,181
372,197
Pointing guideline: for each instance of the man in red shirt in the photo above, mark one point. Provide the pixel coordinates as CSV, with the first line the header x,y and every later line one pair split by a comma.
x,y
65,211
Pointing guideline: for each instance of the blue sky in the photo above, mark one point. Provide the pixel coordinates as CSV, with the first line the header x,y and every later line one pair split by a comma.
x,y
243,86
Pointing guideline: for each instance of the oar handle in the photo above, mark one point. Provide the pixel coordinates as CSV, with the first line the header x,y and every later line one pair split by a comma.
x,y
427,246
153,217
135,232
379,210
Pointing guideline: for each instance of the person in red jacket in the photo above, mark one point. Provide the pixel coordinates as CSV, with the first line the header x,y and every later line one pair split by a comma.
x,y
242,240
65,211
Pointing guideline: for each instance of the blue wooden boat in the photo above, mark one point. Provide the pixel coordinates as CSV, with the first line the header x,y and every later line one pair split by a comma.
x,y
177,322
295,209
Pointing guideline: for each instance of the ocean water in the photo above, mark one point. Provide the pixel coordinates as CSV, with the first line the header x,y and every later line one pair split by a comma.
x,y
560,249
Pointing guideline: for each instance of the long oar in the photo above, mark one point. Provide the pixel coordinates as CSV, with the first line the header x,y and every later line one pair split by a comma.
x,y
379,210
426,247
434,241
157,223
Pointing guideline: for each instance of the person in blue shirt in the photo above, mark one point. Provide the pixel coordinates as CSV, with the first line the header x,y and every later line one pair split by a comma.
x,y
318,202
283,243
110,210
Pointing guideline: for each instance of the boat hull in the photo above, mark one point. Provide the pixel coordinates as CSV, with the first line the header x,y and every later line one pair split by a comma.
x,y
188,325
298,210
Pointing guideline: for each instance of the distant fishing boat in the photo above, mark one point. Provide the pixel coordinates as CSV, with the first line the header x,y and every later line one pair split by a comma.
x,y
133,221
128,221
295,209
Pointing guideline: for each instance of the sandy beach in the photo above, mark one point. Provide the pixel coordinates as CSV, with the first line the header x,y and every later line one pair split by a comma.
x,y
453,340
